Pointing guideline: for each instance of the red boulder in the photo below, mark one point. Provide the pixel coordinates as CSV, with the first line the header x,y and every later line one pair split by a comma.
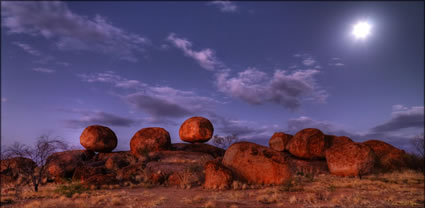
x,y
196,129
257,164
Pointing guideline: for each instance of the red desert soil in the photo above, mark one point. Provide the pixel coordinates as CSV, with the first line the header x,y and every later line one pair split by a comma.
x,y
398,189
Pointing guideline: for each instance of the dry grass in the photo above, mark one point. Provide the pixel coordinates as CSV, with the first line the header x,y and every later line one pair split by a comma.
x,y
397,189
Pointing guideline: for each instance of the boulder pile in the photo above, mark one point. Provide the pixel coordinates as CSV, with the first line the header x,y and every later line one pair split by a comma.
x,y
154,159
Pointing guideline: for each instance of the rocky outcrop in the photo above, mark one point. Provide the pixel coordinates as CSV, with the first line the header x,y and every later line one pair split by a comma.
x,y
62,164
257,164
117,160
279,140
350,159
217,176
389,157
196,129
16,169
199,147
98,138
149,140
308,144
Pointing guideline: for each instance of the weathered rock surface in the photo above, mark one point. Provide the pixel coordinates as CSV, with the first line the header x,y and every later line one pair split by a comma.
x,y
311,167
388,156
257,164
217,176
196,129
98,138
338,140
150,140
308,144
279,140
199,147
350,159
62,164
181,157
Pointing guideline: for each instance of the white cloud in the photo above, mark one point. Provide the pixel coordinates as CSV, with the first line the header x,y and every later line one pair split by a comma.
x,y
336,62
399,108
70,31
27,48
309,61
43,70
3,99
287,89
256,87
206,57
225,6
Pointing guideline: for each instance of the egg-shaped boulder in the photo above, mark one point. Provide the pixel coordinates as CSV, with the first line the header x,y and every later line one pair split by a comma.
x,y
196,129
150,139
308,143
98,139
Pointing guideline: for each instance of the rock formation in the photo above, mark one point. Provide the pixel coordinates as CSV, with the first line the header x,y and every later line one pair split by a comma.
x,y
196,129
98,138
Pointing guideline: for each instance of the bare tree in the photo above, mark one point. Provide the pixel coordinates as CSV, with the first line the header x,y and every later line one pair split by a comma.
x,y
43,148
224,142
418,144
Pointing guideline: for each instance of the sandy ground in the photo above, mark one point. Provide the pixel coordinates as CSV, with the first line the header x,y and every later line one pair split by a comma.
x,y
400,189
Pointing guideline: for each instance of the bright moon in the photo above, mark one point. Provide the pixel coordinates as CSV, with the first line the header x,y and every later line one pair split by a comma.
x,y
361,30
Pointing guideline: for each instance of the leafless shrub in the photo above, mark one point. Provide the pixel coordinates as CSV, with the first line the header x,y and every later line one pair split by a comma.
x,y
418,144
43,148
224,142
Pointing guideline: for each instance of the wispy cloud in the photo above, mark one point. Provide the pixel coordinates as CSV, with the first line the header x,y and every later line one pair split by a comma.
x,y
27,48
97,117
401,118
225,6
205,57
159,102
70,31
43,70
336,62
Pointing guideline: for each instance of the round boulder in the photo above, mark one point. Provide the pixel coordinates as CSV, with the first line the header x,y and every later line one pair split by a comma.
x,y
150,140
308,144
98,138
350,159
257,164
389,157
279,140
196,129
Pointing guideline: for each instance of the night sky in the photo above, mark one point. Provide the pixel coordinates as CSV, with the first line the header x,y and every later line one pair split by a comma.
x,y
252,68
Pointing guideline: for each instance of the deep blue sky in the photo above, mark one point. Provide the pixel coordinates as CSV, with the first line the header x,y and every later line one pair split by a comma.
x,y
252,68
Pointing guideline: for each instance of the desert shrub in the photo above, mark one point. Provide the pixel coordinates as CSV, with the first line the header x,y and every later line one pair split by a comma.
x,y
415,162
224,142
70,189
